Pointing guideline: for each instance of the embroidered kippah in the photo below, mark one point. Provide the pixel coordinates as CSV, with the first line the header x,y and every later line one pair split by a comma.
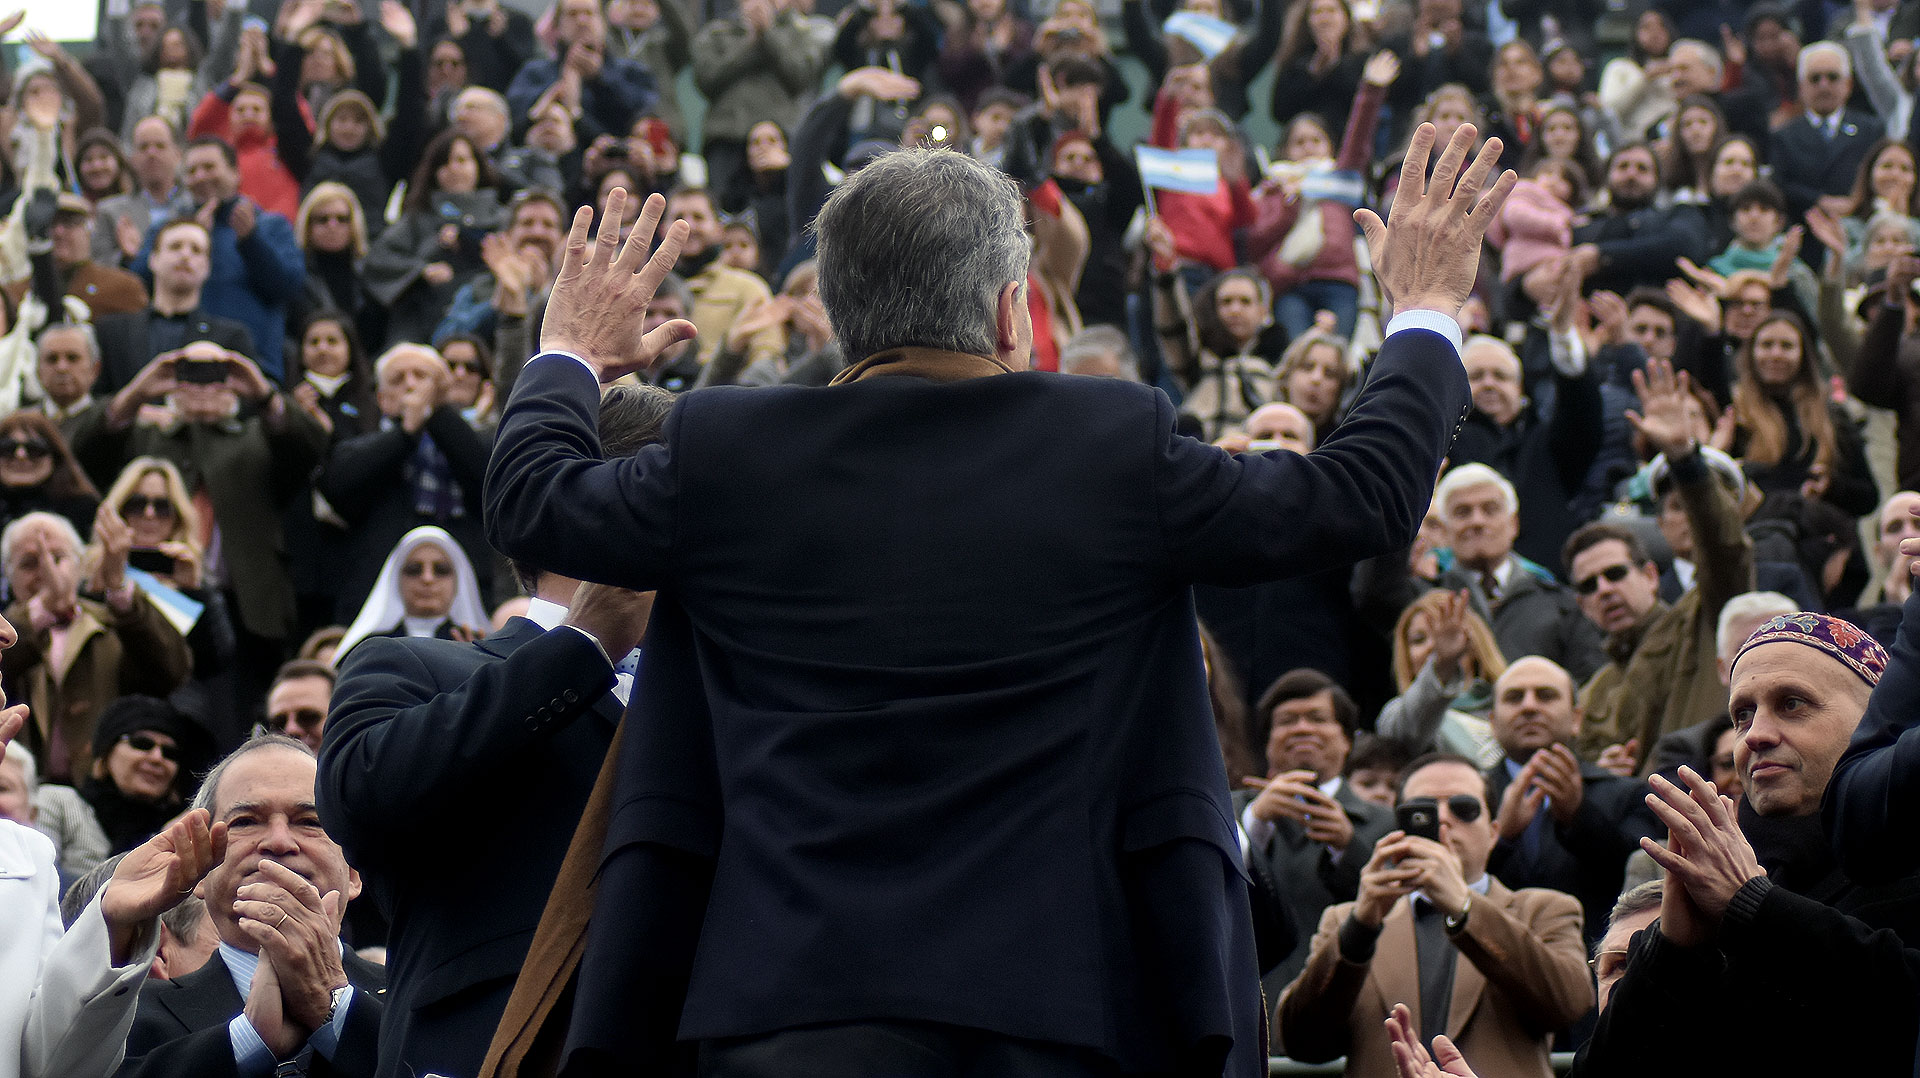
x,y
1841,639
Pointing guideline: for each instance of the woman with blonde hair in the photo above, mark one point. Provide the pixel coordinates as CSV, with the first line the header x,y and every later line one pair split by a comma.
x,y
1445,661
331,228
1314,377
151,498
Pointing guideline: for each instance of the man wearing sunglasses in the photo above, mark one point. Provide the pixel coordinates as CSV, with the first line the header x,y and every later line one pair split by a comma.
x,y
1497,970
1664,671
298,699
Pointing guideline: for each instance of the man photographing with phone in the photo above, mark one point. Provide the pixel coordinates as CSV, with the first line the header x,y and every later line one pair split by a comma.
x,y
1498,970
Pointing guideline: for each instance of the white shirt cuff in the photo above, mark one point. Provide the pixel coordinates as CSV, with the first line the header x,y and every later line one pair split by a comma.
x,y
250,1054
1425,319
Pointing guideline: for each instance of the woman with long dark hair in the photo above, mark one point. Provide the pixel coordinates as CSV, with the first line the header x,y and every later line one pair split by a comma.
x,y
1788,436
421,260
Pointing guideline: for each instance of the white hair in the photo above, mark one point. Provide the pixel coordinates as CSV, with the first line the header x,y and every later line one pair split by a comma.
x,y
1744,608
1467,476
1824,48
30,773
1709,55
408,348
1488,341
10,538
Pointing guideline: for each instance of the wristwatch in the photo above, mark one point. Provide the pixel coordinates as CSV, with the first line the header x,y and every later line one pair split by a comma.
x,y
1456,923
340,994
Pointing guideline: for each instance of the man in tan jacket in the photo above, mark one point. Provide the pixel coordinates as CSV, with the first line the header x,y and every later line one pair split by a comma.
x,y
1498,971
1664,673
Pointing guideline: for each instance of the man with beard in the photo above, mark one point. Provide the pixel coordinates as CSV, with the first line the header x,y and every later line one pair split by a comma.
x,y
1636,241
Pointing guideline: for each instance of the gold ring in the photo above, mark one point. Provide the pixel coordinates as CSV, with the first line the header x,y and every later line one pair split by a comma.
x,y
282,920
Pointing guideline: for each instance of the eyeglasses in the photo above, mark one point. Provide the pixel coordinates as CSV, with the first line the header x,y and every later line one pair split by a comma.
x,y
306,718
1464,807
140,505
463,366
31,448
1824,76
1600,965
144,743
1613,574
420,568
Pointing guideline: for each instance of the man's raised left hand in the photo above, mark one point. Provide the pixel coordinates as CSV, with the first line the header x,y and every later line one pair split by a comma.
x,y
599,300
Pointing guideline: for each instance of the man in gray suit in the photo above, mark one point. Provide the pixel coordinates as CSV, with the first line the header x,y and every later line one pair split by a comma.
x,y
1305,825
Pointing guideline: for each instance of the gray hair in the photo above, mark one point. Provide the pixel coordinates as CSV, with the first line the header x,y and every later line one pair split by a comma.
x,y
1466,476
1096,342
915,248
84,329
210,786
29,771
1636,899
184,919
675,286
1747,607
1823,48
1709,55
80,892
10,538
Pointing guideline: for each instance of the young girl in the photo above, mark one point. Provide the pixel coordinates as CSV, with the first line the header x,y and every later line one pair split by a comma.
x,y
1535,229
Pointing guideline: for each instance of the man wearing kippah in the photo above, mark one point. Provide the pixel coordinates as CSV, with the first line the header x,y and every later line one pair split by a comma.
x,y
1759,929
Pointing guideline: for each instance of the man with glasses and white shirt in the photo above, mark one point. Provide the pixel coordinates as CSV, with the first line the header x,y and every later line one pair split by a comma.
x,y
1498,971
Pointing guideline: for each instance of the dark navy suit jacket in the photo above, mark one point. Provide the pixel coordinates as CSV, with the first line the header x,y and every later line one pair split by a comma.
x,y
1873,801
924,701
453,775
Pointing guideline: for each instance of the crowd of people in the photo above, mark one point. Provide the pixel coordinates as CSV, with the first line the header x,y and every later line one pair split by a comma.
x,y
270,275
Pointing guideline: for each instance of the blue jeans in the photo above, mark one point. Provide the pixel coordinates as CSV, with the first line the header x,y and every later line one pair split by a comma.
x,y
1294,310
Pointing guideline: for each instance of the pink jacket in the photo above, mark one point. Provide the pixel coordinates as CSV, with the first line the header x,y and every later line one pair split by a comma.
x,y
1532,227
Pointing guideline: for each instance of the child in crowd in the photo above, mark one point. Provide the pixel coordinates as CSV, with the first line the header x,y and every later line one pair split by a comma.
x,y
1759,230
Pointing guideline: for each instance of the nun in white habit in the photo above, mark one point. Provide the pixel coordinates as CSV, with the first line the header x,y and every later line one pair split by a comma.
x,y
427,588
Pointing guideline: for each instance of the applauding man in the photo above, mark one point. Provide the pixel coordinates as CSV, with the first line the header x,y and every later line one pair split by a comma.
x,y
283,988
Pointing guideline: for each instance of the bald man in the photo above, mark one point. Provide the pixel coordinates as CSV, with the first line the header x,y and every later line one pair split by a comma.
x,y
1561,822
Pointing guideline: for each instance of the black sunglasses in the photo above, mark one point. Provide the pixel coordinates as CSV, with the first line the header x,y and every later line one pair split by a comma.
x,y
1465,807
140,504
308,718
419,568
33,448
143,743
1614,574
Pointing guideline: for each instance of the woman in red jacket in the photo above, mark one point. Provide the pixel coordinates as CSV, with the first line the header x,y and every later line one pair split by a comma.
x,y
1304,245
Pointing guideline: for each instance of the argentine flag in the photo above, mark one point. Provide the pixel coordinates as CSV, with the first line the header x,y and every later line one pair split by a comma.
x,y
1193,171
1206,33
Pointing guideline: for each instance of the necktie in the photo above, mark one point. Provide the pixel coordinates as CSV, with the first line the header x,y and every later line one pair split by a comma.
x,y
1436,956
1490,586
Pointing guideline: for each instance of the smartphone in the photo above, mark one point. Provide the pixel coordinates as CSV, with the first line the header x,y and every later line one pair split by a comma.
x,y
1419,819
151,561
203,372
658,135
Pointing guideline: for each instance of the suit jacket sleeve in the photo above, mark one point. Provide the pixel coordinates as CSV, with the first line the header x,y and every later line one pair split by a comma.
x,y
158,1049
83,1007
1874,798
358,469
385,758
1653,1019
1725,559
157,659
1238,520
1534,951
1316,1010
548,493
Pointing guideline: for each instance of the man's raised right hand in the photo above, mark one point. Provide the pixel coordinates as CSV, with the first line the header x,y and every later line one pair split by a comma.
x,y
1427,253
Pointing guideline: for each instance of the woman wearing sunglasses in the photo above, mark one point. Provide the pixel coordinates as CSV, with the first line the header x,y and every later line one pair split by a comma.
x,y
38,472
150,497
147,757
426,588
